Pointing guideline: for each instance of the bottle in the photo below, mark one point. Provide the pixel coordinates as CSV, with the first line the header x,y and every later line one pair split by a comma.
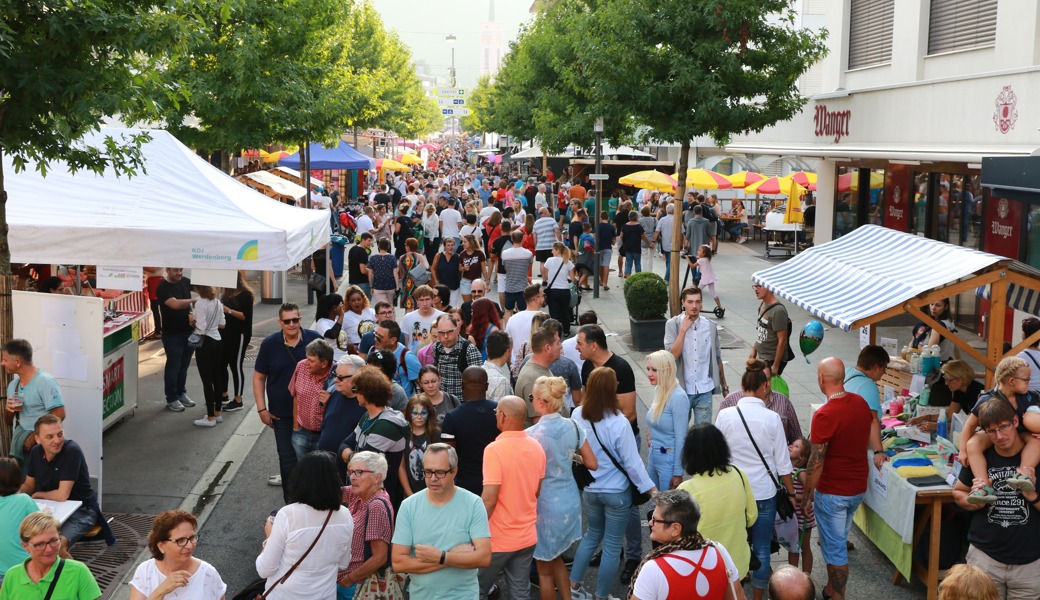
x,y
922,399
915,363
905,354
926,360
940,429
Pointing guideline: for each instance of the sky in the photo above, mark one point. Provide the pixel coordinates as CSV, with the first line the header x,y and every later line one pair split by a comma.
x,y
423,25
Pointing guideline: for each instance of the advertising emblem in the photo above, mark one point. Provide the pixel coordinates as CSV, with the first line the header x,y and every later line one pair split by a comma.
x,y
1006,113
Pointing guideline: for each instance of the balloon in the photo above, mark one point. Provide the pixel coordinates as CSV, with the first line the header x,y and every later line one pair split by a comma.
x,y
810,338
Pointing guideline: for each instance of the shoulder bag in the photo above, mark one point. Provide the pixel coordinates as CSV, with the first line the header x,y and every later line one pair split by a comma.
x,y
582,476
195,339
297,563
784,505
384,584
788,351
54,582
638,498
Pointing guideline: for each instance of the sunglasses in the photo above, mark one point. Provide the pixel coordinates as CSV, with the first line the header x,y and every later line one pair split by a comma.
x,y
342,377
292,321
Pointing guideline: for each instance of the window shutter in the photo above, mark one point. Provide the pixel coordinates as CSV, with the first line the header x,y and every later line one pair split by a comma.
x,y
961,24
870,32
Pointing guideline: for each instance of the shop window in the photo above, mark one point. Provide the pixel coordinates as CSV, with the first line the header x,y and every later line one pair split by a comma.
x,y
1033,236
961,24
919,211
845,204
870,32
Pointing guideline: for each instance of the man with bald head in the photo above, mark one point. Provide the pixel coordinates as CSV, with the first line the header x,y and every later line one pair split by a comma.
x,y
514,466
791,583
837,470
470,428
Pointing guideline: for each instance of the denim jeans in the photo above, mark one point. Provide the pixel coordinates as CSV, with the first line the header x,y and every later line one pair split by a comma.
x,y
661,467
636,258
304,442
834,520
700,407
606,514
283,431
178,359
761,537
667,264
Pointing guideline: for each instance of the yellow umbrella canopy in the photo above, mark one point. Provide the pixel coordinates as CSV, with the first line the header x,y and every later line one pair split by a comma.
x,y
408,159
389,164
775,185
745,178
703,179
649,180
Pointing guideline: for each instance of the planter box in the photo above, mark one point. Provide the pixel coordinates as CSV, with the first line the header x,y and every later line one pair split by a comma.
x,y
647,334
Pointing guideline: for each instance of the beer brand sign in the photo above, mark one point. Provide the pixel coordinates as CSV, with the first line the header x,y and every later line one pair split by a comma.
x,y
832,124
1006,112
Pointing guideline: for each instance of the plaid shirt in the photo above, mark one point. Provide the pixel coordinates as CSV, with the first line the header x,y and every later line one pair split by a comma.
x,y
305,388
447,362
778,403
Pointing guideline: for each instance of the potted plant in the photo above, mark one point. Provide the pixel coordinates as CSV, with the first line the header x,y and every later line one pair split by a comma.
x,y
646,296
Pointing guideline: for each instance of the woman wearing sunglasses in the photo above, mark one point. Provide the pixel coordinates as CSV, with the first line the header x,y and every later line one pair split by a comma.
x,y
424,431
173,570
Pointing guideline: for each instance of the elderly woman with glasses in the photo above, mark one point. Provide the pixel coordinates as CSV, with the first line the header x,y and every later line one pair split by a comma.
x,y
173,570
960,378
369,506
71,579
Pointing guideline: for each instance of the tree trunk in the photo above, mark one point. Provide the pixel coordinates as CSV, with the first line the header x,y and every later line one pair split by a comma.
x,y
677,228
6,309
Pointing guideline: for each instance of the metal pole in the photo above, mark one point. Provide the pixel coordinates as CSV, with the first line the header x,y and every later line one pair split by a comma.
x,y
599,203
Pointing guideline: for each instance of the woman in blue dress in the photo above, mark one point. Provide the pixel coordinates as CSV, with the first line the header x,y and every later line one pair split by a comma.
x,y
559,524
669,419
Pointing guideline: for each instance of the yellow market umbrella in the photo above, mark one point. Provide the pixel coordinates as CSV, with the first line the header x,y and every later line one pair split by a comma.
x,y
793,213
775,185
276,156
803,178
649,180
703,179
389,164
745,178
408,159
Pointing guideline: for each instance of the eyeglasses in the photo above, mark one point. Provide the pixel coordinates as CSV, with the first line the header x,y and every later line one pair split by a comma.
x,y
292,321
422,411
445,331
182,542
358,472
1020,378
999,429
342,377
377,337
53,543
653,520
756,287
436,473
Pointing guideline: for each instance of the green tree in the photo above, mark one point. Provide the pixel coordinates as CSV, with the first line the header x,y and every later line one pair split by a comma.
x,y
478,101
686,68
64,68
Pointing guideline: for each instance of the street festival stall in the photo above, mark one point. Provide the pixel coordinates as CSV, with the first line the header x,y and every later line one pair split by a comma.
x,y
875,273
177,211
342,158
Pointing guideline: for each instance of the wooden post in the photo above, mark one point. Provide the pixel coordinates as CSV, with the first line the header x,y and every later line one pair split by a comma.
x,y
995,325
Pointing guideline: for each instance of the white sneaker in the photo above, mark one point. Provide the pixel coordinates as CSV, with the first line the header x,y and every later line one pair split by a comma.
x,y
580,594
220,419
186,401
204,422
274,480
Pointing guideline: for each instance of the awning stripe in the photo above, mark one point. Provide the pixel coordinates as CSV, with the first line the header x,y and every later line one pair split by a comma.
x,y
869,271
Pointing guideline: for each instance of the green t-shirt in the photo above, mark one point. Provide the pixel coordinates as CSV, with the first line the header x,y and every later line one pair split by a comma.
x,y
76,583
460,521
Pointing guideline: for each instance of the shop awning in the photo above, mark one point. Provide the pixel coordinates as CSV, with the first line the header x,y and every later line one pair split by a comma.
x,y
923,152
868,272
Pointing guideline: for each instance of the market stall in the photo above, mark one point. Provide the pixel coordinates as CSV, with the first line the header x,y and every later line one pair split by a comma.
x,y
177,210
273,186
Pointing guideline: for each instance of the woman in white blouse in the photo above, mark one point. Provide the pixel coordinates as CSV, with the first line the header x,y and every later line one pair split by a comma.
x,y
315,512
173,572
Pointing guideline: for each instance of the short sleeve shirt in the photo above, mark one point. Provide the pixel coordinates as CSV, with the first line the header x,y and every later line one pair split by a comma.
x,y
844,423
356,257
1006,530
545,229
626,378
472,427
174,320
68,465
40,396
277,362
516,463
76,583
773,320
858,383
471,264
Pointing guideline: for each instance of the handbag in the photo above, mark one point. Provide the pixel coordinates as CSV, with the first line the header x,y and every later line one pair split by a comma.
x,y
754,563
297,563
582,475
316,282
383,584
784,505
195,339
638,498
419,274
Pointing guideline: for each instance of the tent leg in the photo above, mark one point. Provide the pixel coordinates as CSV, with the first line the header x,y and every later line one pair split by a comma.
x,y
995,325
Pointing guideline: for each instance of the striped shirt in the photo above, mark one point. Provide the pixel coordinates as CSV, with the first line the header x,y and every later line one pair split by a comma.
x,y
517,260
545,230
778,403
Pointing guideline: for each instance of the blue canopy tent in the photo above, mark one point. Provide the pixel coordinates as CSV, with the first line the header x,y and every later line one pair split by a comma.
x,y
342,157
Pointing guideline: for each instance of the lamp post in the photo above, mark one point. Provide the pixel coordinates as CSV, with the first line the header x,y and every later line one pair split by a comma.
x,y
450,39
597,128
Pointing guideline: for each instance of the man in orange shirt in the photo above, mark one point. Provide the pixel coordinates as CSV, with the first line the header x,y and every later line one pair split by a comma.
x,y
514,466
577,191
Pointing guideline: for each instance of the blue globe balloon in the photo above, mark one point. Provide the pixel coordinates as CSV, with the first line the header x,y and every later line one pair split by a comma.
x,y
810,338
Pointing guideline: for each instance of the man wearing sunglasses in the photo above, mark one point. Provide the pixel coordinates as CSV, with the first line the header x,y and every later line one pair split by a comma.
x,y
275,364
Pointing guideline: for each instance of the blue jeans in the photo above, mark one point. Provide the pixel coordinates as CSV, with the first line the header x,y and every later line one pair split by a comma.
x,y
633,257
606,514
834,520
661,467
283,433
761,536
178,359
304,442
700,407
667,264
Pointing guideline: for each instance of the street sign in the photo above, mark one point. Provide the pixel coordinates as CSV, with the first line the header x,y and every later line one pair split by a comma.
x,y
447,91
451,101
599,177
457,112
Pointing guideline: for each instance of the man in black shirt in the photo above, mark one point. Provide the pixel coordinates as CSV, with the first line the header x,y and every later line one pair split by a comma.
x,y
175,303
1003,534
382,197
470,428
357,264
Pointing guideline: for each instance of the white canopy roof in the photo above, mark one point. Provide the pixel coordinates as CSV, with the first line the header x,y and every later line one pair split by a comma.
x,y
182,212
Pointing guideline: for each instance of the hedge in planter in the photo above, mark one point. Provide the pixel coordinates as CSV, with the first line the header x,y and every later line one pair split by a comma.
x,y
646,296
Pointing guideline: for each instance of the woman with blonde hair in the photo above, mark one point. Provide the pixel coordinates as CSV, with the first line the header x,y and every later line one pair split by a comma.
x,y
967,582
669,419
561,439
556,274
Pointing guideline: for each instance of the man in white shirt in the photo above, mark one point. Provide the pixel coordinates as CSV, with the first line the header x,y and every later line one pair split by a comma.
x,y
499,350
663,237
546,231
365,224
416,325
516,260
570,345
694,342
451,221
519,325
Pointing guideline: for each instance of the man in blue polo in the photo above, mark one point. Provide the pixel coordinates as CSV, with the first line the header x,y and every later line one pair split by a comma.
x,y
275,363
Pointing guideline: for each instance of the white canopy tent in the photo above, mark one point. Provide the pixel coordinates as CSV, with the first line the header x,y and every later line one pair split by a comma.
x,y
282,187
179,211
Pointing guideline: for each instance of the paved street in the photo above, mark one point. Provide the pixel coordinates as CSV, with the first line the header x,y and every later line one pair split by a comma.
x,y
157,460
